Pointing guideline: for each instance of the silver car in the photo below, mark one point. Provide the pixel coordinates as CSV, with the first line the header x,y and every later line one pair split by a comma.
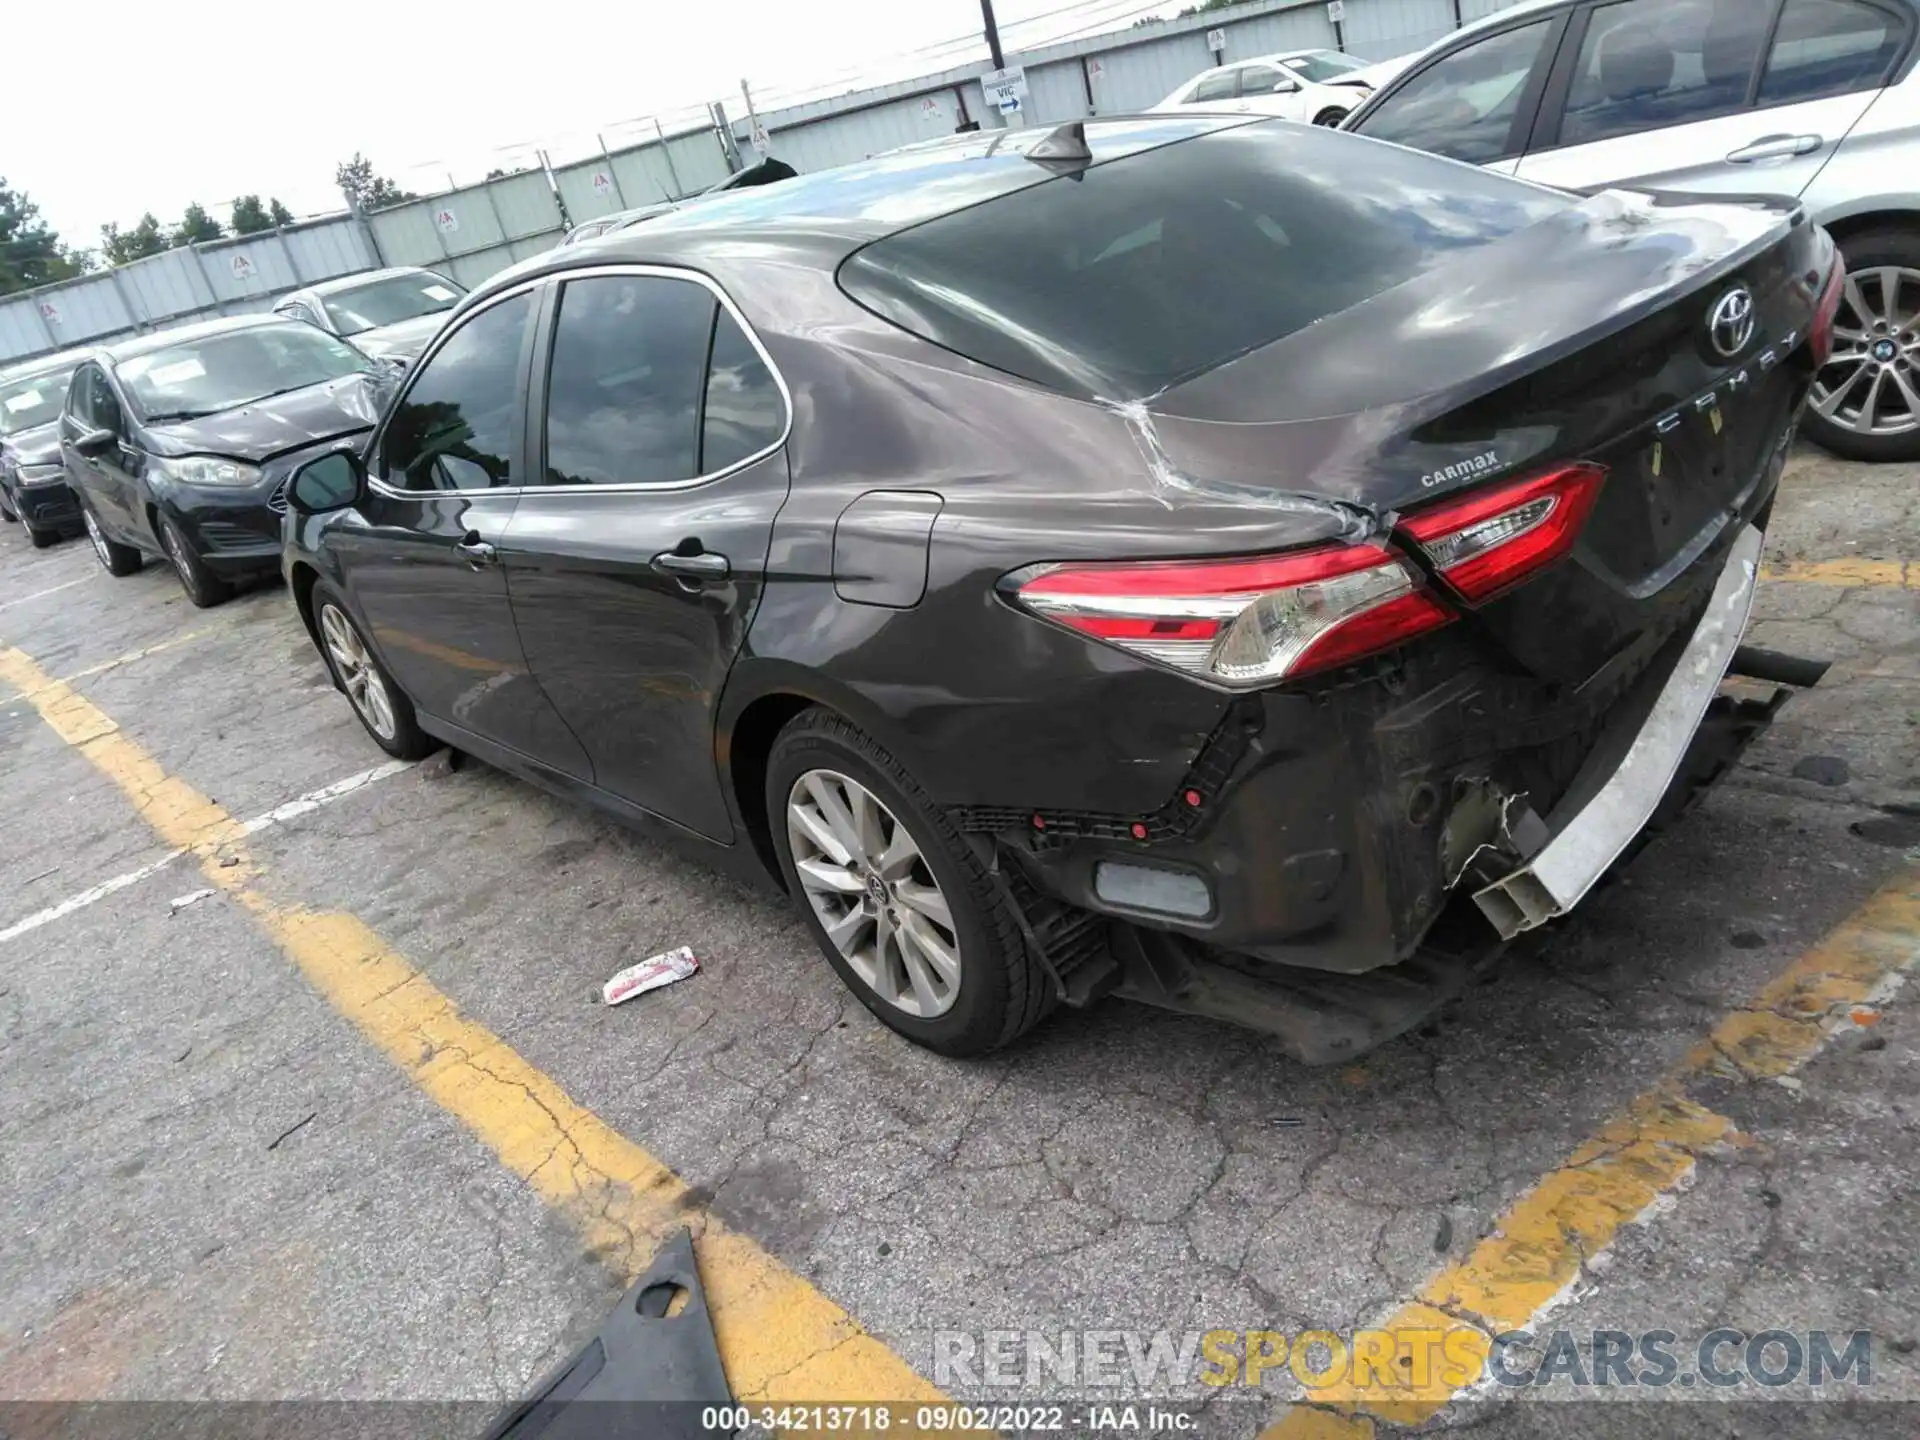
x,y
1813,98
390,314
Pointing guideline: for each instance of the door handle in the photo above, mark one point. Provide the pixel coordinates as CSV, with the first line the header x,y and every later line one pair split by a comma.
x,y
702,566
478,552
1775,147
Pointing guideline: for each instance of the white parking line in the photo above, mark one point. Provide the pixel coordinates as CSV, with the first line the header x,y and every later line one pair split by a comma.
x,y
42,594
303,805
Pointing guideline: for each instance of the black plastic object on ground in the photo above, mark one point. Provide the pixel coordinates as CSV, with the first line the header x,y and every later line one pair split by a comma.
x,y
647,1374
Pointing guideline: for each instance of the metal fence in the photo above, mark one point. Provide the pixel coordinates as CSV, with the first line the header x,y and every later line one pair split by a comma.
x,y
473,231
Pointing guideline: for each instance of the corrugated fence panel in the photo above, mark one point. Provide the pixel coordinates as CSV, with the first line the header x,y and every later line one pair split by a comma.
x,y
1141,76
1472,10
22,331
1056,93
1303,29
248,267
1383,29
698,160
332,247
165,285
471,269
407,235
524,204
842,139
83,310
644,177
585,200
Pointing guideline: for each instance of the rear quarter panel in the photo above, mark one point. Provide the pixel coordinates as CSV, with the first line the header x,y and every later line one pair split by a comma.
x,y
1877,168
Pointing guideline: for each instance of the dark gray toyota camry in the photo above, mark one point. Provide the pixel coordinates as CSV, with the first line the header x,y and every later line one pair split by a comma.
x,y
1239,566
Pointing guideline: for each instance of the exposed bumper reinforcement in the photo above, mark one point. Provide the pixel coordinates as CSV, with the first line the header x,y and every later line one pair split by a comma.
x,y
1589,840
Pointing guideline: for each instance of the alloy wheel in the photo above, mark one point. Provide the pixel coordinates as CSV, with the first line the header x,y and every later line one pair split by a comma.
x,y
1871,384
359,675
177,552
99,540
873,893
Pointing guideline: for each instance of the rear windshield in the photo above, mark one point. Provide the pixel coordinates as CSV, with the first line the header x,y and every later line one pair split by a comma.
x,y
1142,272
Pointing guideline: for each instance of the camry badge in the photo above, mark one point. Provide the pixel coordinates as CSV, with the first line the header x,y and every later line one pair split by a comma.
x,y
1730,326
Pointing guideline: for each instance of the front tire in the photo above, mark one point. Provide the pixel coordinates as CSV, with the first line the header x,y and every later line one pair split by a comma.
x,y
904,911
118,560
6,507
379,704
204,588
1865,403
1331,116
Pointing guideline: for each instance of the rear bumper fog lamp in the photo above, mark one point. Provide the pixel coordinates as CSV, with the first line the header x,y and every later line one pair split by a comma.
x,y
1148,887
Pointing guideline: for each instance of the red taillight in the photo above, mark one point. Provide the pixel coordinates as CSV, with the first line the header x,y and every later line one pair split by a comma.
x,y
1825,312
1241,622
1492,539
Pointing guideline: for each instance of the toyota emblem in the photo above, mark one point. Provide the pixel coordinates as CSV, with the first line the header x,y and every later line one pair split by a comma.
x,y
1730,326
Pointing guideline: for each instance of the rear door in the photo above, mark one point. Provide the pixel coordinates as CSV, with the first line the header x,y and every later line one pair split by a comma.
x,y
1475,103
1734,96
418,556
636,564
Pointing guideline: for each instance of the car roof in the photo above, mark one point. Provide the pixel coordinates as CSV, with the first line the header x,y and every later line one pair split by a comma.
x,y
834,212
366,277
43,364
181,334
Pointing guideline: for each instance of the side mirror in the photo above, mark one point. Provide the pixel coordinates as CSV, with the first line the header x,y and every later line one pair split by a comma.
x,y
95,443
1287,87
331,482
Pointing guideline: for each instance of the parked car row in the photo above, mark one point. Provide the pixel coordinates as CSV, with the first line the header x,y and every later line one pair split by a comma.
x,y
1233,564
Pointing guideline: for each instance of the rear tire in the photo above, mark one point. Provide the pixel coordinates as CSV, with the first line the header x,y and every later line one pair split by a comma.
x,y
118,560
43,539
1869,257
1331,116
204,588
381,707
944,959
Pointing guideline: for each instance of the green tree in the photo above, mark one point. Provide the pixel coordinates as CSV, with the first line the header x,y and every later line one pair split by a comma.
x,y
364,189
197,227
250,215
119,247
31,253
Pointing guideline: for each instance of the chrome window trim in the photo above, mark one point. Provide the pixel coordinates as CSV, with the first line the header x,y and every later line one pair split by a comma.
x,y
632,487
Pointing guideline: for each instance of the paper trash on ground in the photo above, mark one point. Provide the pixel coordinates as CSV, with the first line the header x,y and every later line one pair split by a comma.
x,y
650,974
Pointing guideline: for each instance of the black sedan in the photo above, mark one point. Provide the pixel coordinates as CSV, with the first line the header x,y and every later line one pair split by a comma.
x,y
1239,565
33,483
179,444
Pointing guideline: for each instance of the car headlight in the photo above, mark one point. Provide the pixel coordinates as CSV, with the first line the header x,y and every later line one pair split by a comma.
x,y
41,474
210,470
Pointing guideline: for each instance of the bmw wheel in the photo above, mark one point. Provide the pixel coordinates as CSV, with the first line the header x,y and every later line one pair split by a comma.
x,y
903,910
382,708
1865,403
118,559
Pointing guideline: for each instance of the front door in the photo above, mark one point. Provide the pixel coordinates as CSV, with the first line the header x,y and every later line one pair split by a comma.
x,y
418,556
106,479
1695,95
636,564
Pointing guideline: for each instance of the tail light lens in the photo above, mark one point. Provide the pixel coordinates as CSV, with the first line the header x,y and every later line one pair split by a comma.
x,y
1242,622
1825,312
1490,540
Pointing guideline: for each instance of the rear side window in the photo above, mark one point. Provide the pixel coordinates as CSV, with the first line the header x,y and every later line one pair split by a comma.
x,y
1464,105
653,381
1647,64
1216,87
1830,47
1139,273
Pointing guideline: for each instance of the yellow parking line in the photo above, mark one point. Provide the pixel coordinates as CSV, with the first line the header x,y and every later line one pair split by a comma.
x,y
1536,1248
1847,574
779,1337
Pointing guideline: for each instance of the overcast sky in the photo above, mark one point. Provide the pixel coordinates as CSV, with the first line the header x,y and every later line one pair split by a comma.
x,y
171,101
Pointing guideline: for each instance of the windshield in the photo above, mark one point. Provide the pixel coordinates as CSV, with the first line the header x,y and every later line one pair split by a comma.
x,y
35,400
1320,66
220,372
389,301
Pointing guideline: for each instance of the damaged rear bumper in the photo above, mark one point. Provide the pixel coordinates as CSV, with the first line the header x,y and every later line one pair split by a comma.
x,y
1615,795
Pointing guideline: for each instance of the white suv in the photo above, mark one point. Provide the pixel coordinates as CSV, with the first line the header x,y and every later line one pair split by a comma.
x,y
1323,86
1813,98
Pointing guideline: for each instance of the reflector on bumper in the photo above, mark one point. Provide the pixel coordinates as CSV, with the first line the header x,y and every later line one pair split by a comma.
x,y
1585,844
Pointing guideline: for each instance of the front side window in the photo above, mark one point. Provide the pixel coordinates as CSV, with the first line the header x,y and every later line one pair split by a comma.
x,y
235,368
1464,105
1830,47
36,400
458,427
1223,86
1260,80
93,403
1646,64
390,301
1320,66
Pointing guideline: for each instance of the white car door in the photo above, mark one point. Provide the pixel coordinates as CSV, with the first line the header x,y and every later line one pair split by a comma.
x,y
1673,94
